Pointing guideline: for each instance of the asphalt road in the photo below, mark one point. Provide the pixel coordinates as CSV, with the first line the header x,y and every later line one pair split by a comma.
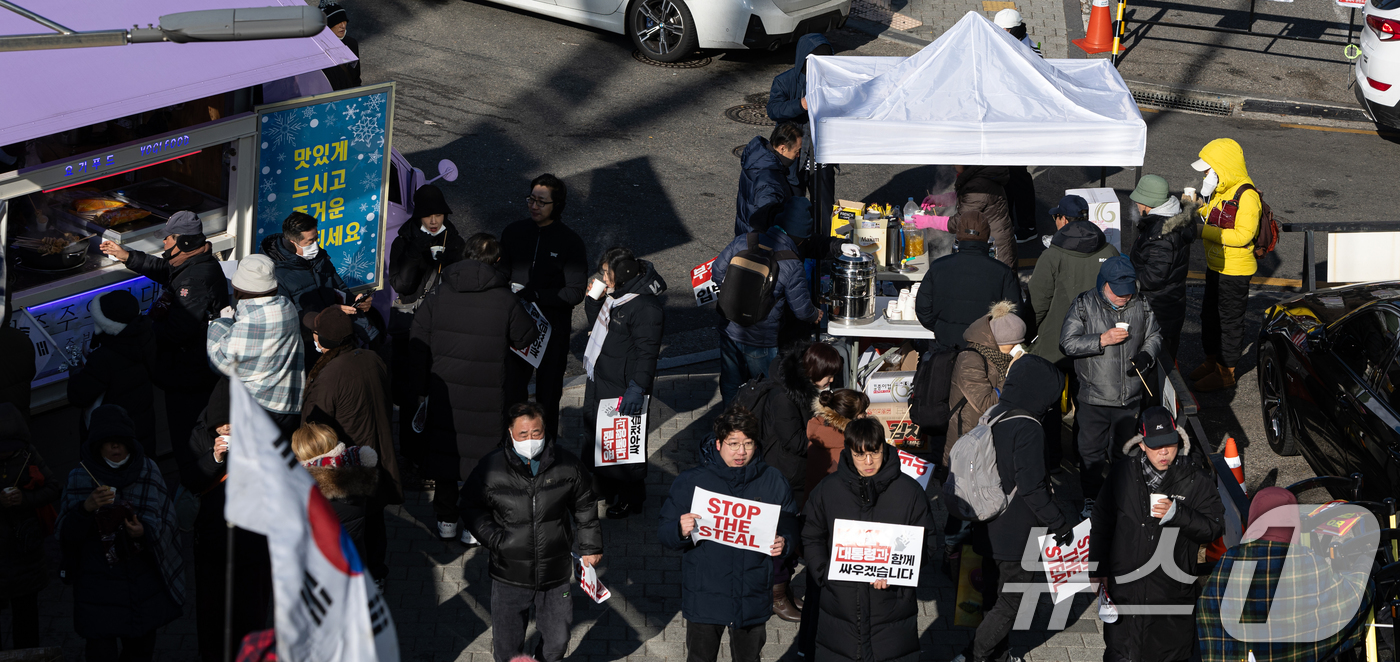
x,y
647,153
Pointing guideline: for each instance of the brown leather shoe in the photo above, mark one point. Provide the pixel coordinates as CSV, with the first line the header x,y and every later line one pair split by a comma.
x,y
783,607
1210,365
1220,379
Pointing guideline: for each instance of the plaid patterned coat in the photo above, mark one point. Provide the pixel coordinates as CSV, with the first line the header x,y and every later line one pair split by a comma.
x,y
262,347
1301,604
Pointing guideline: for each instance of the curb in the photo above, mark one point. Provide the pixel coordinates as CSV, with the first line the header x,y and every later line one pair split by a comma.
x,y
886,32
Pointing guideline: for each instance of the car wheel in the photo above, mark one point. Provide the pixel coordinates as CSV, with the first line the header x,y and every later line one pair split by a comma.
x,y
662,30
1278,419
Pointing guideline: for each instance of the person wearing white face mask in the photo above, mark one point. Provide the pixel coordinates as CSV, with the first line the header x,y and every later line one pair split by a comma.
x,y
527,502
306,276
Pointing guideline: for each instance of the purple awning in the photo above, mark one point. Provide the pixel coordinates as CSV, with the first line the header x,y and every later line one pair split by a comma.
x,y
50,91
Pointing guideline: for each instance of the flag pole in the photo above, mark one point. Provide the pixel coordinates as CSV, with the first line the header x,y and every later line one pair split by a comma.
x,y
228,595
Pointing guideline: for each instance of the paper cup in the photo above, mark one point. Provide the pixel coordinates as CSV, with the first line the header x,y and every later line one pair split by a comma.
x,y
1122,325
11,490
1188,192
1152,500
596,292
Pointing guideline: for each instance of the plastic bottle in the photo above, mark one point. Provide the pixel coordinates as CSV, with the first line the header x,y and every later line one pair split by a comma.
x,y
911,208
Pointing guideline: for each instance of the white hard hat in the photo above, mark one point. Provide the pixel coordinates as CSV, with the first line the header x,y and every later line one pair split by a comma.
x,y
1008,18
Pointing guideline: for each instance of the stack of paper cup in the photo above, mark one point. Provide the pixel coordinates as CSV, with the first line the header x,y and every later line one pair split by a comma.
x,y
892,311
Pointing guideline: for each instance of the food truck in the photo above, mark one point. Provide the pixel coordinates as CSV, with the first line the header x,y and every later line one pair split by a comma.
x,y
241,133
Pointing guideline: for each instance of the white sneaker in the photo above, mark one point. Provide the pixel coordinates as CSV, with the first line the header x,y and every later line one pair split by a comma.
x,y
467,538
1088,509
447,530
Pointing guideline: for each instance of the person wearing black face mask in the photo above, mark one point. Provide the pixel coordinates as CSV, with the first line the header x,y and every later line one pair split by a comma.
x,y
763,179
193,291
1112,335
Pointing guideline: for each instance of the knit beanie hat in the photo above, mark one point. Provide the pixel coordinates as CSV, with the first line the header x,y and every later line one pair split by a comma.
x,y
428,200
1007,327
255,274
111,423
184,222
1151,190
114,310
335,14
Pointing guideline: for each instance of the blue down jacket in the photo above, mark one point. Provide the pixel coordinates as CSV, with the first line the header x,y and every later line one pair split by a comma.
x,y
791,290
763,181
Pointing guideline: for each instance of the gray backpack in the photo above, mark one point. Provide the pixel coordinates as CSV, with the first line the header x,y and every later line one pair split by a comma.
x,y
973,488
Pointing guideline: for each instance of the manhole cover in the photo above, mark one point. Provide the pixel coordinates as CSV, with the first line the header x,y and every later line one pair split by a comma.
x,y
698,60
750,113
760,98
738,152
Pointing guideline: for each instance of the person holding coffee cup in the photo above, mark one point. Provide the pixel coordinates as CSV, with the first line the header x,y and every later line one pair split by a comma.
x,y
1113,338
1161,484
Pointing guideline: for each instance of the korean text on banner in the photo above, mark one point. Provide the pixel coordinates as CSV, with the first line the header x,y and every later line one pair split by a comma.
x,y
871,551
325,604
915,468
727,520
588,581
1067,568
328,160
619,438
535,352
701,280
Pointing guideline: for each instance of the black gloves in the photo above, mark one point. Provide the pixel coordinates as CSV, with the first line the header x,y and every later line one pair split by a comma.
x,y
1065,534
528,293
1141,361
632,400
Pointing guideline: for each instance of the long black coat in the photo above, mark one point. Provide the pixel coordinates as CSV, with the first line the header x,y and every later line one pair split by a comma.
x,y
411,257
1161,255
857,621
1125,538
529,522
193,294
960,288
120,371
17,370
724,585
461,338
783,416
22,566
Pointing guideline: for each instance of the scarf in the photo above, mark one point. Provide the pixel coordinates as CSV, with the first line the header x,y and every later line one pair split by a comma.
x,y
180,256
994,356
599,334
1151,474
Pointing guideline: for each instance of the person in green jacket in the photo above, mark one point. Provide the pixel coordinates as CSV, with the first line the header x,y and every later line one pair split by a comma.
x,y
1068,267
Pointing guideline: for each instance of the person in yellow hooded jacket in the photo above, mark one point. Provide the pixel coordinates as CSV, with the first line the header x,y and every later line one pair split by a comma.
x,y
1229,258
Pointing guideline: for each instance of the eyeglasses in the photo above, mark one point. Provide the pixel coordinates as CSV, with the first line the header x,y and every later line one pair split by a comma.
x,y
866,457
532,201
734,447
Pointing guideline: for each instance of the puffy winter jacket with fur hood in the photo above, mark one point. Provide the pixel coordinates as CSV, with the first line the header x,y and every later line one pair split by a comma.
x,y
1161,255
977,379
347,478
826,438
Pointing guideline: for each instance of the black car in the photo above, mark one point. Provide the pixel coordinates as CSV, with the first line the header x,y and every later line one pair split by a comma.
x,y
1328,379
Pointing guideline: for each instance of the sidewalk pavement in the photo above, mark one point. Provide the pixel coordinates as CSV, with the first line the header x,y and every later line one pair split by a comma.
x,y
919,22
439,592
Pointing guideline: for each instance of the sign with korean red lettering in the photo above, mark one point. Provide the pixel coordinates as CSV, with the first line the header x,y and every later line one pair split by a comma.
x,y
619,438
328,157
706,291
1067,568
727,520
535,352
915,468
870,551
588,581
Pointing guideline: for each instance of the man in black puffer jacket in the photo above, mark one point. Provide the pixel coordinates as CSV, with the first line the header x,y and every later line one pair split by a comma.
x,y
859,621
722,586
527,502
625,341
1161,254
193,291
1032,385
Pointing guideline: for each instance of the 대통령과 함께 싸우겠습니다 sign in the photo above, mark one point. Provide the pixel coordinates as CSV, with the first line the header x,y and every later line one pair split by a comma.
x,y
871,551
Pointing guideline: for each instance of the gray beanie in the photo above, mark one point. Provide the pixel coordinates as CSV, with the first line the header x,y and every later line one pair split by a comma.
x,y
1007,327
182,223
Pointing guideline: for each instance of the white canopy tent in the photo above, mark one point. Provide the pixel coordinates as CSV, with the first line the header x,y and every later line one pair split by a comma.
x,y
975,96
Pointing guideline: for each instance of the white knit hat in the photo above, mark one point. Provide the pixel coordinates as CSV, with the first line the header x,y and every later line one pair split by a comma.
x,y
1008,18
254,274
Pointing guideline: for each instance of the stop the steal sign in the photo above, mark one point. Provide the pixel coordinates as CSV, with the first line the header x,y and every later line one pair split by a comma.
x,y
732,521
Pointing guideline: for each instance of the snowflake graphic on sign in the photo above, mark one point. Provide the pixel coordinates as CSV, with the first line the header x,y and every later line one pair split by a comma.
x,y
308,112
375,102
370,182
375,157
282,130
356,263
267,186
365,129
351,112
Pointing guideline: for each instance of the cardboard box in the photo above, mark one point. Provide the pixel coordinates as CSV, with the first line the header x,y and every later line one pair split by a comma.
x,y
890,386
1104,211
899,429
843,213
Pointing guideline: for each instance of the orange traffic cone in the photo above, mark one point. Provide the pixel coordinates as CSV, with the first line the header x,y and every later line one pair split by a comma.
x,y
1232,460
1099,37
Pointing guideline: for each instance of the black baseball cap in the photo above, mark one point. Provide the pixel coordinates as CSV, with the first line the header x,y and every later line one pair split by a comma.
x,y
1157,428
1072,206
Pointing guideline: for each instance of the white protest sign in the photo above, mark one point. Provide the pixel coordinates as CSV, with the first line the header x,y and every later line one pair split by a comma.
x,y
535,352
588,581
871,551
732,521
701,280
915,468
1067,568
618,438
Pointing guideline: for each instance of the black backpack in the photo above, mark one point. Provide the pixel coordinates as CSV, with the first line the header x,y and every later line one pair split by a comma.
x,y
746,295
928,401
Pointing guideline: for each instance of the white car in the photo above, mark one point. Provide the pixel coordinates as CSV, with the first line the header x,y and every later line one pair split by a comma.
x,y
1378,68
668,30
